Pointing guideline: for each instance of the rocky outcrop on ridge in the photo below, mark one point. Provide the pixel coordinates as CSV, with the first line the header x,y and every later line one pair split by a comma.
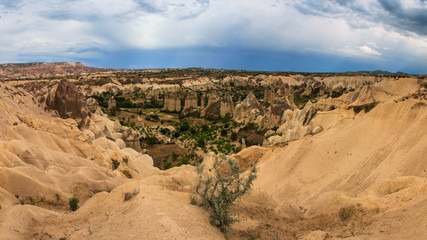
x,y
68,102
248,110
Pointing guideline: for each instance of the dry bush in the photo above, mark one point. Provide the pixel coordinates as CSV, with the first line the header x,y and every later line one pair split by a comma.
x,y
346,212
217,189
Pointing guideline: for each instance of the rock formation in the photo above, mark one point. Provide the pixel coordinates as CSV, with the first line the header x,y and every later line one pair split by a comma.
x,y
111,103
92,104
248,110
68,102
226,106
269,96
172,102
190,101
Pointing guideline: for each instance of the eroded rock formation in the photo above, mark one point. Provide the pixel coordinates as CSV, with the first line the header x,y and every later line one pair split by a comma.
x,y
68,102
172,102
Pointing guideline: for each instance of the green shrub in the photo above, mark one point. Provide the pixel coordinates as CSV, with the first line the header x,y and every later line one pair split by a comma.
x,y
346,212
152,140
233,136
216,190
224,132
74,203
184,127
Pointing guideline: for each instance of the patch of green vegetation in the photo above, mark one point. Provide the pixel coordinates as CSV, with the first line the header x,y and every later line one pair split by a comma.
x,y
152,117
74,203
301,100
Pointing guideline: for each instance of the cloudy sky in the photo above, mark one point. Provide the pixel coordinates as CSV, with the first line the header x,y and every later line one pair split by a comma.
x,y
286,35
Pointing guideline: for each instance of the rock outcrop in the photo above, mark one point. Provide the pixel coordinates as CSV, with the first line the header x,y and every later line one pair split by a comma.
x,y
226,106
92,104
172,102
68,102
190,101
248,110
112,103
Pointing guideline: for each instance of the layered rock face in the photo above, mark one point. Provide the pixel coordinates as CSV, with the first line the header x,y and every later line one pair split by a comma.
x,y
190,101
213,106
173,102
218,106
68,102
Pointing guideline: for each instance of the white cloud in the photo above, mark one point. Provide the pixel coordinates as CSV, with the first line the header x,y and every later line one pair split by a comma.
x,y
369,51
80,27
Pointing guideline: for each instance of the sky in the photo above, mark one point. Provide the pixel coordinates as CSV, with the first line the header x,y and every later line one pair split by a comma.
x,y
265,35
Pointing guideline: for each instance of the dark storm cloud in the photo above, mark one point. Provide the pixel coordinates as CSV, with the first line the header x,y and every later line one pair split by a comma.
x,y
411,19
10,4
400,15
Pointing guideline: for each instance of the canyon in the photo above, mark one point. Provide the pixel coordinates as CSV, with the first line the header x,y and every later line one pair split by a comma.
x,y
339,155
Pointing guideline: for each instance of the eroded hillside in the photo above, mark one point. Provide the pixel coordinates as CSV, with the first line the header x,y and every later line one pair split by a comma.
x,y
337,156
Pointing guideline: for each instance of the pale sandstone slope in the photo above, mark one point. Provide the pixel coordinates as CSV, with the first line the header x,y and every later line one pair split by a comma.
x,y
385,143
376,161
45,160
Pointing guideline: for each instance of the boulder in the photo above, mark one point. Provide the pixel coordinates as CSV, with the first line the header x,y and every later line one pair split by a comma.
x,y
316,130
130,135
99,112
269,133
120,143
273,140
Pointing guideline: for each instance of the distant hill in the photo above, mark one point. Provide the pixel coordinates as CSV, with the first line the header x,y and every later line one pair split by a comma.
x,y
34,70
377,73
